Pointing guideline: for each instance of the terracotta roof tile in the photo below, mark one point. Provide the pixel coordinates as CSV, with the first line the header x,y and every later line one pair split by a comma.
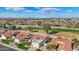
x,y
8,33
63,44
2,31
22,36
38,36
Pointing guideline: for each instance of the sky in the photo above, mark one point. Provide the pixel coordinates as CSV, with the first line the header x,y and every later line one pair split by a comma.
x,y
39,12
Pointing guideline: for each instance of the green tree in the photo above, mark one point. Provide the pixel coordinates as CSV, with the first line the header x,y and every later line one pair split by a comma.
x,y
75,42
12,27
47,27
4,25
30,28
39,23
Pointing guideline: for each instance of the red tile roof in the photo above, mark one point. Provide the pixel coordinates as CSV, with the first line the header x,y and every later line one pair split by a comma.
x,y
22,36
8,33
38,36
63,44
2,31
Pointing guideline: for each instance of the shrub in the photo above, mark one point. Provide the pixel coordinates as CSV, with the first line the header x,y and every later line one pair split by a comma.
x,y
7,41
24,45
50,47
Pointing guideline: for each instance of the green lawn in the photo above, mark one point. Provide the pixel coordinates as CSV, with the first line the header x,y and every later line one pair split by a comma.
x,y
65,30
7,41
53,29
24,45
33,28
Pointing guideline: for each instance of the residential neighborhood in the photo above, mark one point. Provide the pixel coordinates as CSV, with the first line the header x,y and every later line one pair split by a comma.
x,y
39,29
39,38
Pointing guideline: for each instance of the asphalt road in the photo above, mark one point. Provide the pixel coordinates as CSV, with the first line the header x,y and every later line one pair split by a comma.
x,y
4,48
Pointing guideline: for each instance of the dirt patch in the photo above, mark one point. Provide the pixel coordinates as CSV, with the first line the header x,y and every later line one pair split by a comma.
x,y
68,35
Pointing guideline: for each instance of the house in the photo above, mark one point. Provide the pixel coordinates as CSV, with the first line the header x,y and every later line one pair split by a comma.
x,y
2,31
63,44
2,37
38,40
22,36
1,34
15,34
9,33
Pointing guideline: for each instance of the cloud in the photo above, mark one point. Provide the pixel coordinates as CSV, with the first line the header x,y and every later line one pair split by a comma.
x,y
49,10
12,15
15,8
18,9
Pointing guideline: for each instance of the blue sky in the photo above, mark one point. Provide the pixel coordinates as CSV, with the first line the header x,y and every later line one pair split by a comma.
x,y
39,12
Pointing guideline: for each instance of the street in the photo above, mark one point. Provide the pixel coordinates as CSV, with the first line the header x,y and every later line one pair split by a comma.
x,y
4,48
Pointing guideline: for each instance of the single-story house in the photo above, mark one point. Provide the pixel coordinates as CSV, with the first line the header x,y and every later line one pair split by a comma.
x,y
9,33
2,31
22,36
64,44
1,34
38,40
2,37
